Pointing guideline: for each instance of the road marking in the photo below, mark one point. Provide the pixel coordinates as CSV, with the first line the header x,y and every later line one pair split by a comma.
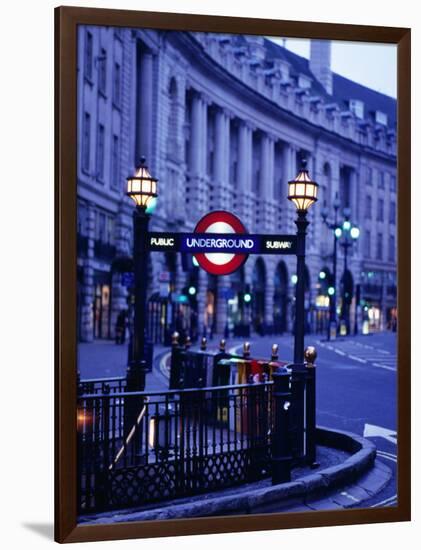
x,y
338,351
390,501
381,366
371,430
355,358
345,494
163,365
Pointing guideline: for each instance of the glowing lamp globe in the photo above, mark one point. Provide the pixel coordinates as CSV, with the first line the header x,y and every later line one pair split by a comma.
x,y
142,187
302,191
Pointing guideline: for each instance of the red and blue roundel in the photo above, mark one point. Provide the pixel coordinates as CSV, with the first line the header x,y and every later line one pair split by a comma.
x,y
220,263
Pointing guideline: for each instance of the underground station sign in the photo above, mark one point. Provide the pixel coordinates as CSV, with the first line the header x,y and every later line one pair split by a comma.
x,y
221,244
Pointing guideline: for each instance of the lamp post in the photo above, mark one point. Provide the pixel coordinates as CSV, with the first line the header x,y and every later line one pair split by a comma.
x,y
350,233
337,232
142,188
302,191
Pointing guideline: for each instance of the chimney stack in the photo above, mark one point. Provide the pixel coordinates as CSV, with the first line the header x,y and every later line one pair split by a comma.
x,y
320,54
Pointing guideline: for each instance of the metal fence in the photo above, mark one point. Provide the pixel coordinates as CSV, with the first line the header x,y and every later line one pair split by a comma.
x,y
182,443
226,420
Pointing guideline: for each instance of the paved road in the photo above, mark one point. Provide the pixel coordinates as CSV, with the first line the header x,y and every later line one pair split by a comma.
x,y
356,385
356,391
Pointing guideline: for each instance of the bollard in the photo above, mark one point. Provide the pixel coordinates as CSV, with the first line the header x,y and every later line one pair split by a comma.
x,y
281,443
175,368
246,350
203,344
310,356
174,338
222,345
274,356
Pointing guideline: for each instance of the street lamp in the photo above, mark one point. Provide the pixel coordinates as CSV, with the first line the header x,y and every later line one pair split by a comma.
x,y
302,191
142,188
351,234
337,232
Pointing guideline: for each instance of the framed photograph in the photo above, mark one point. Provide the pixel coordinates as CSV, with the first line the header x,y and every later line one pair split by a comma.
x,y
232,256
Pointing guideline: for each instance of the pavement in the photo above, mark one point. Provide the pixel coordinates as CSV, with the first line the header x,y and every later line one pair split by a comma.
x,y
356,385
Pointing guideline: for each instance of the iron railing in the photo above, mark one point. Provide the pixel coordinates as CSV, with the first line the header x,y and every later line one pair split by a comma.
x,y
93,386
204,434
181,443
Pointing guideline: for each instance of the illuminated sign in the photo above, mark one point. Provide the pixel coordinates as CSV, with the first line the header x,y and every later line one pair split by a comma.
x,y
220,243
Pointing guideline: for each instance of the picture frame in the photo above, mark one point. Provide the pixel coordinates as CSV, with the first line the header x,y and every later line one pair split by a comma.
x,y
67,20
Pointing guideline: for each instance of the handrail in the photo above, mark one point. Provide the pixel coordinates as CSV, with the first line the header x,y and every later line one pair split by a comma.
x,y
93,380
172,392
129,436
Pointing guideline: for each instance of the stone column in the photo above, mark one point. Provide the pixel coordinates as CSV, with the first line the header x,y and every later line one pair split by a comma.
x,y
267,189
118,291
269,293
290,171
221,304
145,93
245,198
88,290
195,138
221,173
220,146
201,300
197,144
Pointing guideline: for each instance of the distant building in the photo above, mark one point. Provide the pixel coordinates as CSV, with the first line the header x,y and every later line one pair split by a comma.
x,y
223,121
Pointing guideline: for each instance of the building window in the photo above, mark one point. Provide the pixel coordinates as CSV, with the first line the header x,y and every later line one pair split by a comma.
x,y
380,210
381,180
393,183
115,163
102,71
368,207
367,244
369,176
391,248
381,118
357,107
100,225
117,85
379,246
82,219
100,152
89,55
104,228
86,142
392,213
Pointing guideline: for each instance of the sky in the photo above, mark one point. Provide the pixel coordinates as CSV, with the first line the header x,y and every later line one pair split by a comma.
x,y
373,65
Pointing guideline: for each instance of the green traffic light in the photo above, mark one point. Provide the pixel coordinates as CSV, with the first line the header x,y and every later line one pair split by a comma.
x,y
247,297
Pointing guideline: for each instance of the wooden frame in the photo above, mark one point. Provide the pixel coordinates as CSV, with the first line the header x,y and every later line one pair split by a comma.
x,y
66,21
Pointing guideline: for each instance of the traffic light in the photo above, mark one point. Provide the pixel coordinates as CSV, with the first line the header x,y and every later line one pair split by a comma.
x,y
247,297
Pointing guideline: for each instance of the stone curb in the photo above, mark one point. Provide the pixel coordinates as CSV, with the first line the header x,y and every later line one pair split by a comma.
x,y
362,459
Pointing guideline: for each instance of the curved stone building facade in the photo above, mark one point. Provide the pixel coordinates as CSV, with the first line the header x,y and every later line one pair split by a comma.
x,y
223,121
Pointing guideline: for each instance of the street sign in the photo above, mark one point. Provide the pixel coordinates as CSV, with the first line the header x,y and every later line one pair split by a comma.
x,y
220,243
219,227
